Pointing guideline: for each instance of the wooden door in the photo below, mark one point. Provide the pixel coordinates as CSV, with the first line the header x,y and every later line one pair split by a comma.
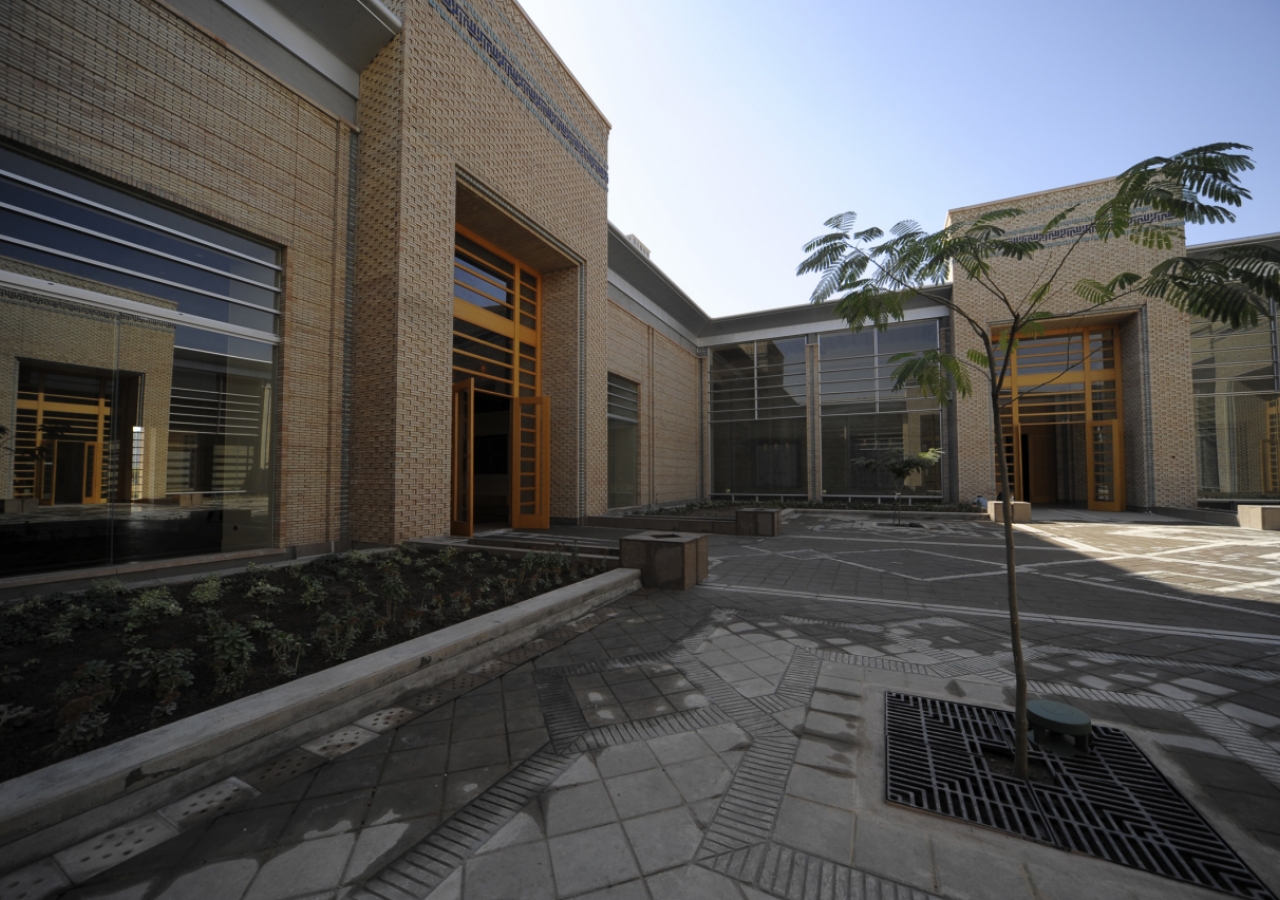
x,y
462,505
531,457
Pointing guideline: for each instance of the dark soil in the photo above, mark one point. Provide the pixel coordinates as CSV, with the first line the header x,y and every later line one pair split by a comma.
x,y
88,669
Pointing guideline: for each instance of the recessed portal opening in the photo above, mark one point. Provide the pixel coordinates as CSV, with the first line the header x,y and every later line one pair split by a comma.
x,y
1055,467
492,460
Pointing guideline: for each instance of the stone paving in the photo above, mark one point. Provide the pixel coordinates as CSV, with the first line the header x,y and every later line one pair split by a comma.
x,y
727,741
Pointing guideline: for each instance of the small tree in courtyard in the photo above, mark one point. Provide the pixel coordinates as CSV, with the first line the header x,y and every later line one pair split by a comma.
x,y
871,277
900,467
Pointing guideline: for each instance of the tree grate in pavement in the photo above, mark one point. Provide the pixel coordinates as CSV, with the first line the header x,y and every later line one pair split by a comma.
x,y
1110,803
795,875
420,871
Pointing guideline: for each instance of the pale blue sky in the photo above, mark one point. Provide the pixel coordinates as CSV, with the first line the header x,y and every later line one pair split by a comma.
x,y
739,126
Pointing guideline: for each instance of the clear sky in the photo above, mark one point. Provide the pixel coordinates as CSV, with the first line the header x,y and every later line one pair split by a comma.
x,y
739,126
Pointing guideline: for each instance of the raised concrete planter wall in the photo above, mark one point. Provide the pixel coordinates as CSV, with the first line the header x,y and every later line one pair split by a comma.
x,y
60,805
1021,511
666,559
1263,518
761,522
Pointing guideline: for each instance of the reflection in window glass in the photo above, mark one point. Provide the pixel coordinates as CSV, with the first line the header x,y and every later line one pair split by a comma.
x,y
865,421
133,440
624,449
1237,410
758,409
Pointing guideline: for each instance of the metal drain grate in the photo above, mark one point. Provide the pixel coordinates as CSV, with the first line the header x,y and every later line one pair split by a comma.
x,y
1111,803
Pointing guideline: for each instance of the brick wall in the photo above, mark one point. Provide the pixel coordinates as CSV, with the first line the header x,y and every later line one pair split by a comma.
x,y
434,104
130,91
668,376
1170,412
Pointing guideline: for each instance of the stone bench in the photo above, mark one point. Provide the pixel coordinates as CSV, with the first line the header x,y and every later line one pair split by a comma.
x,y
1048,717
1262,518
675,560
1021,511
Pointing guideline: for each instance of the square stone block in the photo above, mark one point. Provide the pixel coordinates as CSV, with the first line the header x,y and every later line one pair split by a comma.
x,y
666,559
1263,518
761,522
1021,511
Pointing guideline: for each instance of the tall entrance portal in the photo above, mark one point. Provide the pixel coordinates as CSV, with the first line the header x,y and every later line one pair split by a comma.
x,y
1062,415
501,438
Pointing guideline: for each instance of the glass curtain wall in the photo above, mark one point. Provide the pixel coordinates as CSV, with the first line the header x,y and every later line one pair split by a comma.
x,y
624,444
1237,408
865,423
137,400
759,406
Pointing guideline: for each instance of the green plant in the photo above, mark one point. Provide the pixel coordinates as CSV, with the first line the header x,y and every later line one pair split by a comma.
x,y
13,715
313,593
206,592
871,278
149,607
105,589
336,635
264,592
81,719
900,467
232,648
167,672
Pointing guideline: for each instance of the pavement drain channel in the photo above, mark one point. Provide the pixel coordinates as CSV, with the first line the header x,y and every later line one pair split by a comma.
x,y
1110,803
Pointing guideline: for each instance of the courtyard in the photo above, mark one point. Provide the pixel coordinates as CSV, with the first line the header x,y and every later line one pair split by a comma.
x,y
729,740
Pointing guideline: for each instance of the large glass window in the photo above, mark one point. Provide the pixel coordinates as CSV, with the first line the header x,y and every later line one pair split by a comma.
x,y
1237,410
129,435
758,409
624,441
864,421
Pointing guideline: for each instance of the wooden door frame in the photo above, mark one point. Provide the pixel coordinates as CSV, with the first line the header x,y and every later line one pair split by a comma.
x,y
1086,376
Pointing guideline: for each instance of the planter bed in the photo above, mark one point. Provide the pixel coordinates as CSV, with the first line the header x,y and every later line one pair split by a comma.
x,y
56,806
82,671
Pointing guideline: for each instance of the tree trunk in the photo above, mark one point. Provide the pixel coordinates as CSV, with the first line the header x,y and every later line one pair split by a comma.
x,y
1015,626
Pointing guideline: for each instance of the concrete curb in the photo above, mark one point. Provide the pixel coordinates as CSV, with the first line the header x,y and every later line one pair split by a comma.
x,y
55,807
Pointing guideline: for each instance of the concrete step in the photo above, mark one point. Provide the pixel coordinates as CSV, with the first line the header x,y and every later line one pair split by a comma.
x,y
546,543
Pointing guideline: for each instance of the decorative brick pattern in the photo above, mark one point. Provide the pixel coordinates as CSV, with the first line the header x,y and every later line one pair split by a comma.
x,y
422,131
668,376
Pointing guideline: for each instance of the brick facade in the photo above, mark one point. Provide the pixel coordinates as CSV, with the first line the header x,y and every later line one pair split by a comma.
x,y
436,109
1163,375
668,376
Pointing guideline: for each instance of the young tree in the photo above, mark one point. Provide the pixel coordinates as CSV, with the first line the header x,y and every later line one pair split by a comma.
x,y
871,277
900,467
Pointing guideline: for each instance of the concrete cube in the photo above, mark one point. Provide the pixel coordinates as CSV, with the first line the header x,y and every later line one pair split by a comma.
x,y
1021,511
761,522
666,559
1263,518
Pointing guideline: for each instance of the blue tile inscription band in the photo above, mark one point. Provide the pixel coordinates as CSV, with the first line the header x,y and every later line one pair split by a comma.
x,y
524,86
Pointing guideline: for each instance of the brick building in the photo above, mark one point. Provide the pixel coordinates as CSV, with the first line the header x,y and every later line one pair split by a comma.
x,y
281,277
